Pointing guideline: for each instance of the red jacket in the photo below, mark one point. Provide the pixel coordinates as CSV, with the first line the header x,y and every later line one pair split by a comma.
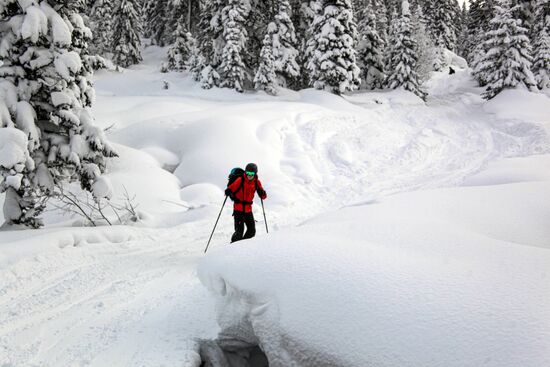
x,y
245,193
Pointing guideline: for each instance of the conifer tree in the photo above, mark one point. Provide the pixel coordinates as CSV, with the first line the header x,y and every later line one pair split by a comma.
x,y
463,34
425,48
541,62
265,78
283,43
309,11
126,34
45,100
440,17
370,50
181,51
209,44
101,23
382,23
332,65
156,22
507,63
235,37
525,11
403,57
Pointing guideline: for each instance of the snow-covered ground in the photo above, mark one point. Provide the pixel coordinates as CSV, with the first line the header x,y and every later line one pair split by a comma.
x,y
426,227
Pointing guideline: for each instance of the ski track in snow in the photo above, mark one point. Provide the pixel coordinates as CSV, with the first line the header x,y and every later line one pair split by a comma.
x,y
139,303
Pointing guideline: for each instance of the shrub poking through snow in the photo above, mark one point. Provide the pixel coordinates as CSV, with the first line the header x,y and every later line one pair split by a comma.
x,y
403,58
332,64
45,95
507,63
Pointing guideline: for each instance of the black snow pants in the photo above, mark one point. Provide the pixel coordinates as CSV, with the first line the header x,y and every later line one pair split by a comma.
x,y
241,219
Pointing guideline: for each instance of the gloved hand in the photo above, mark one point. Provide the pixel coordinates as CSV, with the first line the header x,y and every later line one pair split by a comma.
x,y
262,193
229,193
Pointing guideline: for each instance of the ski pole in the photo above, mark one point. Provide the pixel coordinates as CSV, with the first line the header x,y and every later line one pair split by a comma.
x,y
213,229
265,220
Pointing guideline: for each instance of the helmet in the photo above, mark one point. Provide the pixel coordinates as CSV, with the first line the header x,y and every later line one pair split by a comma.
x,y
251,167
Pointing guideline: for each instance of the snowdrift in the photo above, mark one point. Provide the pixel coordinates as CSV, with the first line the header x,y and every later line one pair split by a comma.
x,y
430,278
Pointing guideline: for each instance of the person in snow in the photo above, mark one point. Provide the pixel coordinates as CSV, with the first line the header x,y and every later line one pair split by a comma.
x,y
242,191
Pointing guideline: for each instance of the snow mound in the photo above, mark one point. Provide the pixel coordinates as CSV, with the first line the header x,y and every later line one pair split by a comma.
x,y
429,278
510,170
521,105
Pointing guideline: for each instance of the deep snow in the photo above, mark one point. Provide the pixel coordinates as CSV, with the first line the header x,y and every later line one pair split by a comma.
x,y
129,295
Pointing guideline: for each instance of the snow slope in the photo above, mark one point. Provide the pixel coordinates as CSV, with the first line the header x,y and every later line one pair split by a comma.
x,y
429,278
129,295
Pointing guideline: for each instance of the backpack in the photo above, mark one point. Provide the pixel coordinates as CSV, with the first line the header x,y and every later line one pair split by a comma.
x,y
234,175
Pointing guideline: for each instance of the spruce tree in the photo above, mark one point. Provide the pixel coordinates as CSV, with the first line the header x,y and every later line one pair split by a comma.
x,y
181,51
265,78
156,21
463,34
45,100
309,11
382,23
507,63
425,48
283,43
403,57
370,50
209,44
101,23
235,37
541,62
126,34
332,65
440,18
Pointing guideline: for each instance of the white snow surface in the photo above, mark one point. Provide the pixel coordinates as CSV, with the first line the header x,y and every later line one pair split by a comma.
x,y
451,270
430,278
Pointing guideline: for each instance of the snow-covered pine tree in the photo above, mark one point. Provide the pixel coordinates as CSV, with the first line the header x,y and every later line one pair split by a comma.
x,y
541,60
525,11
333,65
370,49
463,34
440,18
126,33
403,57
283,45
209,44
101,22
425,48
260,15
181,51
382,24
155,21
235,37
265,78
182,12
507,63
309,11
46,124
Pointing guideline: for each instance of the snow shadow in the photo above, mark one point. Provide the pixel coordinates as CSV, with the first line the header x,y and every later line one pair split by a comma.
x,y
231,353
